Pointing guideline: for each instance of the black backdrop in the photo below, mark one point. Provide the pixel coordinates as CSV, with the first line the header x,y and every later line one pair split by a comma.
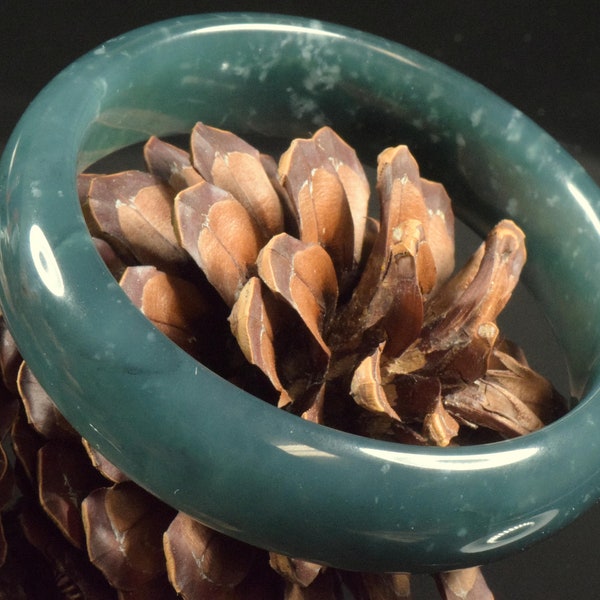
x,y
543,57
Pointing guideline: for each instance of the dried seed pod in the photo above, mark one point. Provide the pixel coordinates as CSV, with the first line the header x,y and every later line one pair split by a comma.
x,y
41,411
400,269
252,323
84,180
451,291
394,311
402,201
413,396
366,387
465,303
469,360
25,443
304,276
73,576
132,211
235,166
111,259
101,464
352,176
10,357
487,404
301,362
534,390
291,222
310,405
397,304
510,348
310,177
405,216
498,267
202,563
295,570
220,235
381,427
439,426
464,584
299,372
411,235
387,586
170,163
440,228
371,234
65,478
418,399
324,587
174,305
124,526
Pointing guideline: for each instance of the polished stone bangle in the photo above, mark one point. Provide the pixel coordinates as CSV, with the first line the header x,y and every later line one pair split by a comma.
x,y
212,450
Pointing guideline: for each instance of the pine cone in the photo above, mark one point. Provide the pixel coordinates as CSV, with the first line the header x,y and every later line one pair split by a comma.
x,y
310,303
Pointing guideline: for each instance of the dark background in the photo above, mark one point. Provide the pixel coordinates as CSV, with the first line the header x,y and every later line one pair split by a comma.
x,y
543,57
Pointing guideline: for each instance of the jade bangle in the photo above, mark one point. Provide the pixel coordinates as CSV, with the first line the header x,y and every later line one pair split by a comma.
x,y
203,445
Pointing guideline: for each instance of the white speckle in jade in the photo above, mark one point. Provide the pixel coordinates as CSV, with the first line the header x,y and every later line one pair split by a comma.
x,y
36,192
436,92
476,117
512,207
532,152
323,77
417,123
514,129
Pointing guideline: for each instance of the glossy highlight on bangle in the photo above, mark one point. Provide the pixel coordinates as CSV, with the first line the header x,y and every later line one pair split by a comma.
x,y
212,450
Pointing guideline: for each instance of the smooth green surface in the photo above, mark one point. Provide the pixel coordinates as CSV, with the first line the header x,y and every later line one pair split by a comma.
x,y
208,448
